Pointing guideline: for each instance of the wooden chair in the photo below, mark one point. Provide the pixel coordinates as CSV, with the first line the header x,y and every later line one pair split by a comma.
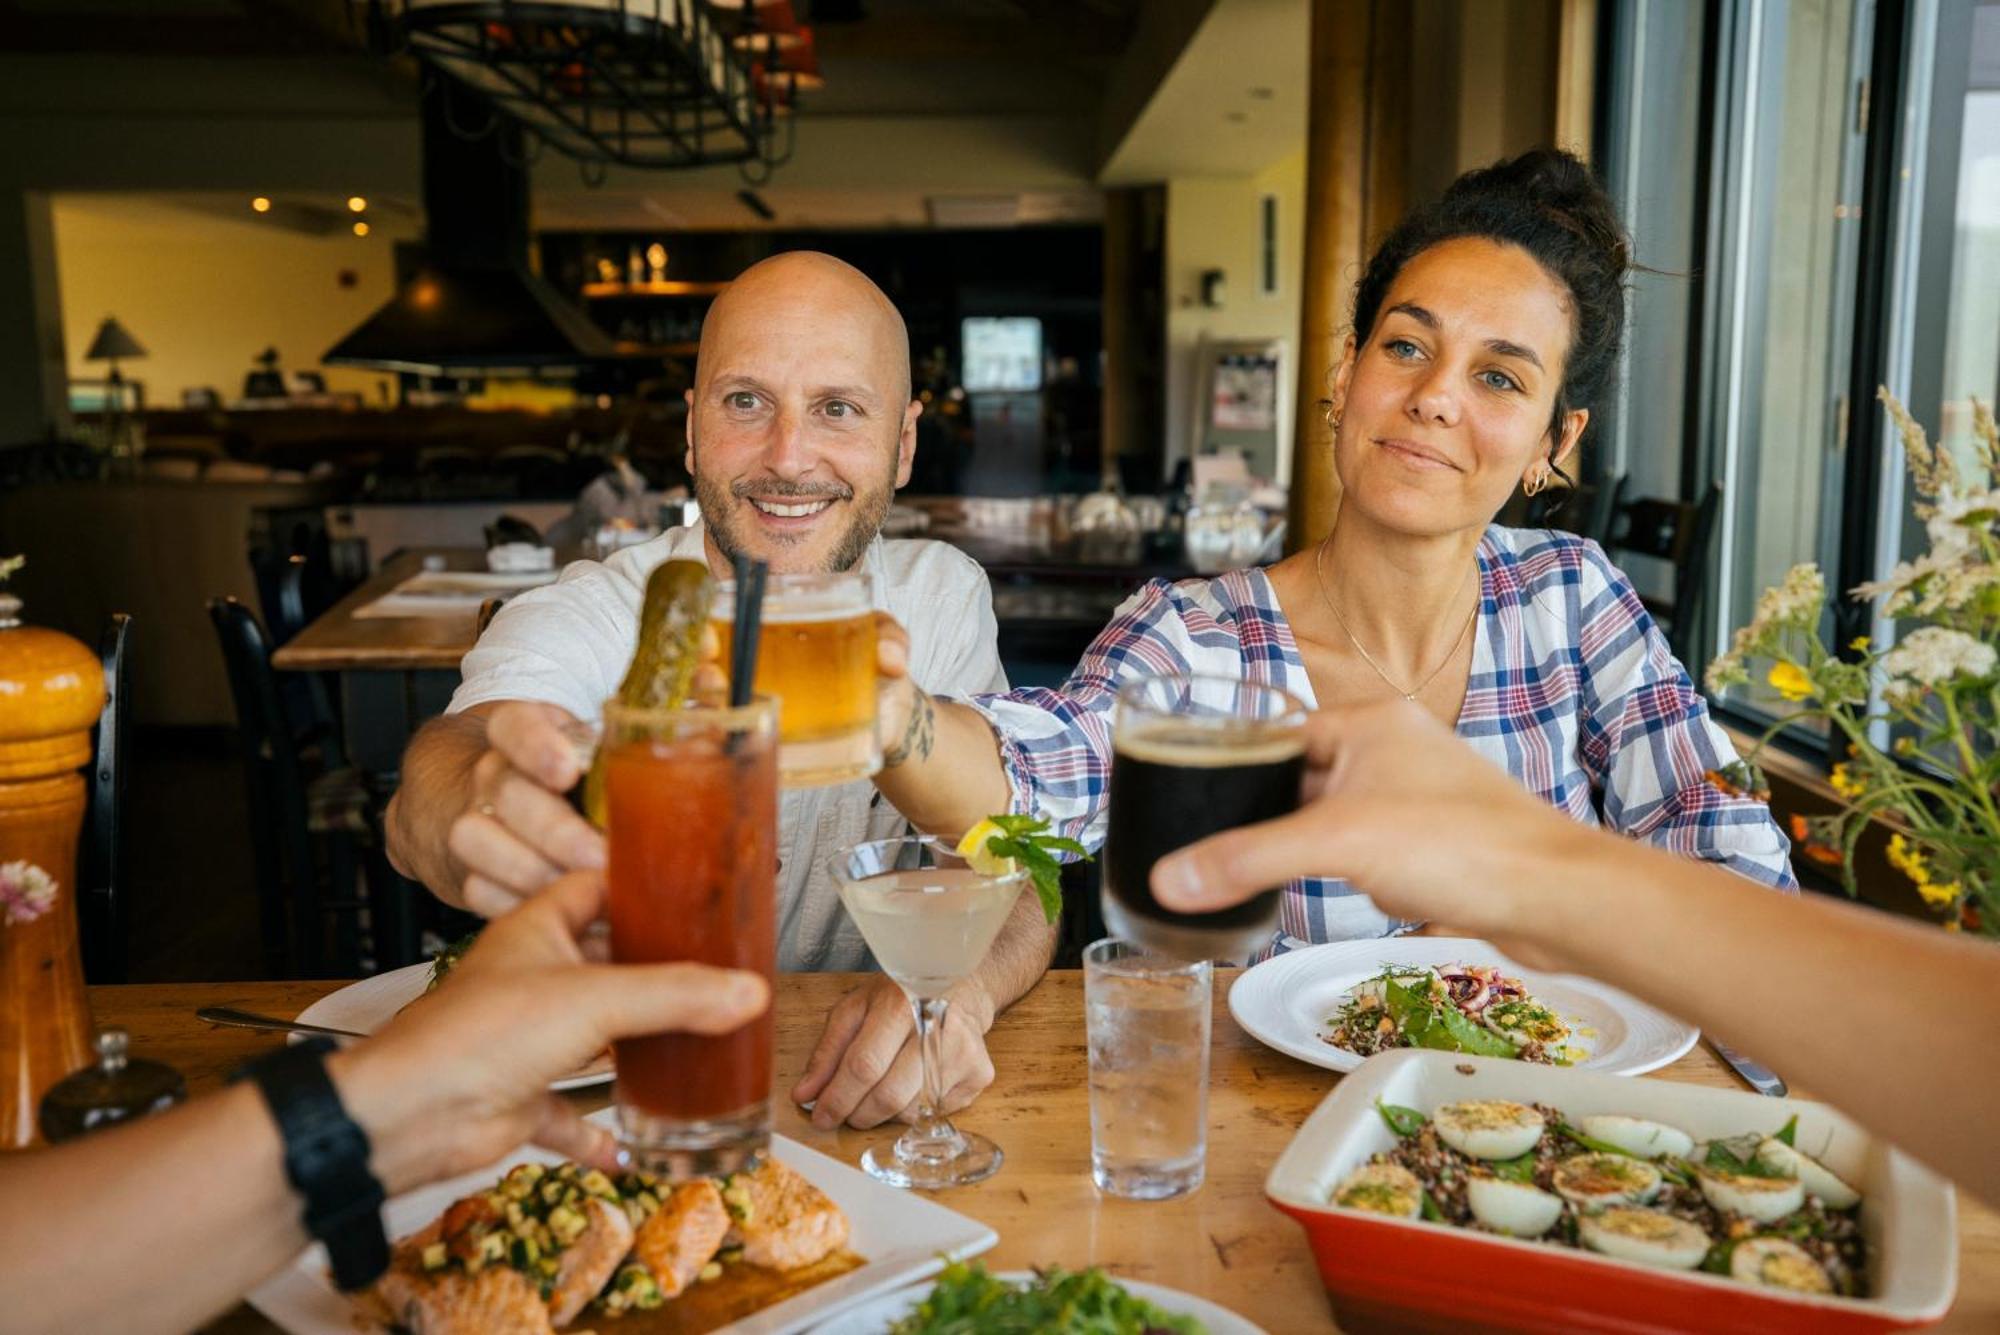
x,y
101,864
1681,534
310,817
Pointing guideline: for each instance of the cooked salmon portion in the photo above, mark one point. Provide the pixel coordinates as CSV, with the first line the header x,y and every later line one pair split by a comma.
x,y
588,1263
496,1301
683,1235
782,1220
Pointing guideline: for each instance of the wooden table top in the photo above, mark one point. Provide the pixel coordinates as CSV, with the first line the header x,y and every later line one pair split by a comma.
x,y
1224,1241
338,641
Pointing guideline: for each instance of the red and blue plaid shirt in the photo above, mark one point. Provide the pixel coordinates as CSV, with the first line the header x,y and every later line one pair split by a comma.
x,y
1573,691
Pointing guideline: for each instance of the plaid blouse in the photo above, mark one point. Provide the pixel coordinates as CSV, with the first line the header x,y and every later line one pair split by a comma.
x,y
1573,691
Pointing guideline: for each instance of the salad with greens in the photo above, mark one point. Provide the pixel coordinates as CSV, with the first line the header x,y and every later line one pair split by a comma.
x,y
1056,1302
1455,1008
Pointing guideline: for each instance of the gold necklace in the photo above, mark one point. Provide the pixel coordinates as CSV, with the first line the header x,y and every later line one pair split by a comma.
x,y
1319,576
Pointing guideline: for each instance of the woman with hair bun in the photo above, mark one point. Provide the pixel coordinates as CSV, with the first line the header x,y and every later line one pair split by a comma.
x,y
1486,331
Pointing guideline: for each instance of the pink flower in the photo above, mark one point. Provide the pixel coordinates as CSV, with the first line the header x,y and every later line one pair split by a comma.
x,y
26,891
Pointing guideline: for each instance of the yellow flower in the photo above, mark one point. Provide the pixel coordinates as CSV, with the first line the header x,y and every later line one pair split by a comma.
x,y
1859,644
1938,896
1790,681
1909,860
1845,782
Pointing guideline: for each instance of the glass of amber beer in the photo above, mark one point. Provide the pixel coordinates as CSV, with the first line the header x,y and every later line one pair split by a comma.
x,y
817,659
1193,755
691,799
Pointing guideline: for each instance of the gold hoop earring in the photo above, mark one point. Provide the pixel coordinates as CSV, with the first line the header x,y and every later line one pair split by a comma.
x,y
1535,483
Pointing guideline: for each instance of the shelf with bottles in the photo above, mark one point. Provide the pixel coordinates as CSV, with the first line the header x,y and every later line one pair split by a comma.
x,y
652,288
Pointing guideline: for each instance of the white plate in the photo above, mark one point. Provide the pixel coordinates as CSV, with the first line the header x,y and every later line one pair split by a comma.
x,y
1284,1003
371,1003
875,1317
902,1236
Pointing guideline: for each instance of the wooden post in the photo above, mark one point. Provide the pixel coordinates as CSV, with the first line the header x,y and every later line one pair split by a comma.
x,y
1576,75
1357,135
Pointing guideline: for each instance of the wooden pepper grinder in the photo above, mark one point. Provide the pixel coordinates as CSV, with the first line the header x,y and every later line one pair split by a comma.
x,y
51,691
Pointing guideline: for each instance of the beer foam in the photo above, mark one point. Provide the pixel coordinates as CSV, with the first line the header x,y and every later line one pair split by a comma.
x,y
1190,746
826,604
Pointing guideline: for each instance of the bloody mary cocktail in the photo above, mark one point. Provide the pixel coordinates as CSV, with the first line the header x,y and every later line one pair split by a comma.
x,y
692,815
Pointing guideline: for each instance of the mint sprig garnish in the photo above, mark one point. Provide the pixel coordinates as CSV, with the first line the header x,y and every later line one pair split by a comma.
x,y
1026,840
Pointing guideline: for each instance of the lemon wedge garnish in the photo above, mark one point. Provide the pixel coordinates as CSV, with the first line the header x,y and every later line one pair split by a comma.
x,y
978,857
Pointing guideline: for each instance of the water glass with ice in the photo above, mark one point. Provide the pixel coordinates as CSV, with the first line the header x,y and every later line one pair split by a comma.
x,y
1148,1021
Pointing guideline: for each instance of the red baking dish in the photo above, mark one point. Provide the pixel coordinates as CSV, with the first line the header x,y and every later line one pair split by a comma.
x,y
1412,1275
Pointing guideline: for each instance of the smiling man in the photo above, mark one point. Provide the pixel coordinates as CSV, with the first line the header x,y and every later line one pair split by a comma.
x,y
800,429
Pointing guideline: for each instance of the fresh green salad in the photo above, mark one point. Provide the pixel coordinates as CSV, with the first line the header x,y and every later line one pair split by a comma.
x,y
1058,1302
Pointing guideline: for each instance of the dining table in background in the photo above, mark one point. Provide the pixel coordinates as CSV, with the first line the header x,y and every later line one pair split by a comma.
x,y
392,672
1223,1241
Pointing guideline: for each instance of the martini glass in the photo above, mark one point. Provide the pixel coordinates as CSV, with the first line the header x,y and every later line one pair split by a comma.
x,y
929,918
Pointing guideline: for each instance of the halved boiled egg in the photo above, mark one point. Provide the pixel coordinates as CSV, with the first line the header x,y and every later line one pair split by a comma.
x,y
1762,1199
1517,1209
1637,1135
1525,1022
1646,1236
1817,1177
1592,1181
1383,1188
1778,1264
1489,1128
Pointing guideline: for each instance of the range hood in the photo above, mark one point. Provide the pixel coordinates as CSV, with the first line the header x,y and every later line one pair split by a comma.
x,y
473,307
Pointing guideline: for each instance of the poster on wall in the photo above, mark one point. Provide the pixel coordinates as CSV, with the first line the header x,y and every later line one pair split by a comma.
x,y
1002,355
1243,393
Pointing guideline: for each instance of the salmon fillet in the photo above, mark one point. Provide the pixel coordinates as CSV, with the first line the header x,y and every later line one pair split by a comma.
x,y
589,1262
783,1221
497,1300
683,1235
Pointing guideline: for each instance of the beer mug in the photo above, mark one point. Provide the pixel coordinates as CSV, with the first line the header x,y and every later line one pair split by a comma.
x,y
1193,755
817,658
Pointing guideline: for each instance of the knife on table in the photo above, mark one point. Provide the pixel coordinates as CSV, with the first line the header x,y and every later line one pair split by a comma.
x,y
1761,1077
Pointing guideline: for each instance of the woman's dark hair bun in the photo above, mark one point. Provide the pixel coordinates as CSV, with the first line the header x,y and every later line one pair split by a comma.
x,y
1546,202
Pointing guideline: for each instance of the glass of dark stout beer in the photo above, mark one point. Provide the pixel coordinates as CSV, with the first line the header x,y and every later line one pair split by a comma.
x,y
1193,755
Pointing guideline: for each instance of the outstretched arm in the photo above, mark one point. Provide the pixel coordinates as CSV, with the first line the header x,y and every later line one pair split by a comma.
x,y
1853,1005
160,1224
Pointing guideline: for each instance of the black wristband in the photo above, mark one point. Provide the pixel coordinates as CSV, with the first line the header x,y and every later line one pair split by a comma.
x,y
326,1160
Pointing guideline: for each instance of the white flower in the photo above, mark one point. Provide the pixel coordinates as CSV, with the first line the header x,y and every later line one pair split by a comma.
x,y
1933,655
1952,523
1796,601
26,891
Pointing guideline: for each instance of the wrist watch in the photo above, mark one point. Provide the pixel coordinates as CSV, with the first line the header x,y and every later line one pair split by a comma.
x,y
326,1160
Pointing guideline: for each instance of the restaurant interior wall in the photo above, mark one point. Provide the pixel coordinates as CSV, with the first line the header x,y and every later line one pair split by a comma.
x,y
206,293
1214,224
992,445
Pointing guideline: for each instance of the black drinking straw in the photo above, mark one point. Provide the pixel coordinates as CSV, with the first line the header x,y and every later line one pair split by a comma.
x,y
745,628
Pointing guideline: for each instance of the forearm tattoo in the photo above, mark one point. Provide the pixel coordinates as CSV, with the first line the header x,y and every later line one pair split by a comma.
x,y
919,735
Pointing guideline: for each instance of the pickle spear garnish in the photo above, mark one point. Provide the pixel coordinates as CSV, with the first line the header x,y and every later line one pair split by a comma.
x,y
678,596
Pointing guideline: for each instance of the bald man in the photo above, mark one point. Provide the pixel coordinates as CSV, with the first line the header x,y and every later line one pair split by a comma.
x,y
800,428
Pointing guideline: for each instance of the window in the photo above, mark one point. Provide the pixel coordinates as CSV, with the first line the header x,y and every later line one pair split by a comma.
x,y
1822,178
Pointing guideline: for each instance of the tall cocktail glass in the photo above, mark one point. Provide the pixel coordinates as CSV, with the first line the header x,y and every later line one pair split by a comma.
x,y
1193,755
929,918
691,798
816,656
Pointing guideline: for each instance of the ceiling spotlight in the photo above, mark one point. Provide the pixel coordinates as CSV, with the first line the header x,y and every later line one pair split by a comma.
x,y
360,228
356,204
260,205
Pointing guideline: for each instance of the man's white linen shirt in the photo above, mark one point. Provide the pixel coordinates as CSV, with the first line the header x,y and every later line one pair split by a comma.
x,y
568,644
